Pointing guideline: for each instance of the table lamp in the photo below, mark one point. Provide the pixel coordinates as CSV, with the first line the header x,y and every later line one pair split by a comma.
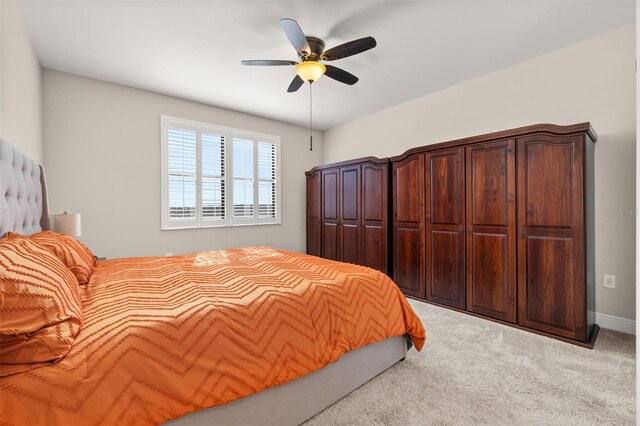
x,y
67,223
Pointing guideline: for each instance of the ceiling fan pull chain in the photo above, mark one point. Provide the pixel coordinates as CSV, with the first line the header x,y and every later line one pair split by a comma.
x,y
310,117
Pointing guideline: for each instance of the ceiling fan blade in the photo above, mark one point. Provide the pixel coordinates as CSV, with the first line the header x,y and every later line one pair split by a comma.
x,y
349,49
296,83
267,62
296,36
340,75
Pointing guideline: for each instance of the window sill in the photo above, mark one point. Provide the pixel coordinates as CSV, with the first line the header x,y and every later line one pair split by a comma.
x,y
237,225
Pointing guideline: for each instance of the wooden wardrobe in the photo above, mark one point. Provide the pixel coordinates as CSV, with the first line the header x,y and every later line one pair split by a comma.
x,y
498,225
464,218
348,212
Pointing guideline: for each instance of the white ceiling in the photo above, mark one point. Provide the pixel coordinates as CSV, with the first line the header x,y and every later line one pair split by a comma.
x,y
193,49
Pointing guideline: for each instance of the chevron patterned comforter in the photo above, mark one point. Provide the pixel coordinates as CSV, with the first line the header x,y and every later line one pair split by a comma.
x,y
163,337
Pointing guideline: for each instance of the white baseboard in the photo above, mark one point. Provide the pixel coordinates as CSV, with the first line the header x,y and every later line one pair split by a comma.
x,y
623,325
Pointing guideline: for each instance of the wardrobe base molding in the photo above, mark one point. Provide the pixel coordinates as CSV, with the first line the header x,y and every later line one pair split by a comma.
x,y
588,344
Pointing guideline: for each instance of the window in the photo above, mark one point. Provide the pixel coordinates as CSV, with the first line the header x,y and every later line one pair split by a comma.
x,y
218,176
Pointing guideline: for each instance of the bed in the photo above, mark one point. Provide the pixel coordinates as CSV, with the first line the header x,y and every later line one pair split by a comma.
x,y
243,336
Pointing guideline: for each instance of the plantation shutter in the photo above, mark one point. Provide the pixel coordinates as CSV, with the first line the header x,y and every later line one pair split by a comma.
x,y
267,185
243,178
182,170
213,172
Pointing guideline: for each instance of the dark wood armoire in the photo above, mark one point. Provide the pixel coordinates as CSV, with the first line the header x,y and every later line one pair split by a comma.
x,y
348,212
498,225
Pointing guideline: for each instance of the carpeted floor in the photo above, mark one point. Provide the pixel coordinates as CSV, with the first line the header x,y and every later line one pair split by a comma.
x,y
473,371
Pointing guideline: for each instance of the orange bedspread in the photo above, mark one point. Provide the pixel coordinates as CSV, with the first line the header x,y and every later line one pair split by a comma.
x,y
163,337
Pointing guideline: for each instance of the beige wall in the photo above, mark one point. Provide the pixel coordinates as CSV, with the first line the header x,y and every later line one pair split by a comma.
x,y
102,153
590,81
20,84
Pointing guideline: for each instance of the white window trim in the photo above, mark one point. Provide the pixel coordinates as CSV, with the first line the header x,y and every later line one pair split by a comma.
x,y
229,133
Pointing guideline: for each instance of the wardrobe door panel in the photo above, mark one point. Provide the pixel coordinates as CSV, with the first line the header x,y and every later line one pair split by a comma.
x,y
408,269
330,241
444,272
445,218
314,200
551,244
408,190
349,195
350,244
550,283
491,191
445,177
408,185
375,209
548,173
491,243
489,290
330,214
374,192
374,247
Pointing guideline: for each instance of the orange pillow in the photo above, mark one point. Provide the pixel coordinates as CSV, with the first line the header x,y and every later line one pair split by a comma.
x,y
70,251
40,309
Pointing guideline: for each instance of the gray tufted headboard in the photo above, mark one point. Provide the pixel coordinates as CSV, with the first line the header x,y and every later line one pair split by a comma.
x,y
23,193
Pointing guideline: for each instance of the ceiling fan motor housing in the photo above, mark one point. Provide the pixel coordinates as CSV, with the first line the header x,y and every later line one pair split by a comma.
x,y
317,47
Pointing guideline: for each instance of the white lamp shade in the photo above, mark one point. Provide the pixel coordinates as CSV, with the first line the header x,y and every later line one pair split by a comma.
x,y
68,223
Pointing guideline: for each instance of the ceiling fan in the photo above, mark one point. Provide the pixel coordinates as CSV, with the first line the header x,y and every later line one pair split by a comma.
x,y
311,51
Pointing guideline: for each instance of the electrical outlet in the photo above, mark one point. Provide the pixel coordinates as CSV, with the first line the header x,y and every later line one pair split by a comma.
x,y
609,281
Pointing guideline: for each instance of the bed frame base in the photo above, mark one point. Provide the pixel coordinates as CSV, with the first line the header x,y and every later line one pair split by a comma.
x,y
301,399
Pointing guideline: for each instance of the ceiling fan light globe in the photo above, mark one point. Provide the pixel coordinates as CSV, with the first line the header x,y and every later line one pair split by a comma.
x,y
310,71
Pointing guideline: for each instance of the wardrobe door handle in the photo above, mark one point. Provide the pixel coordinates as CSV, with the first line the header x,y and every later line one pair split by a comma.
x,y
522,232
